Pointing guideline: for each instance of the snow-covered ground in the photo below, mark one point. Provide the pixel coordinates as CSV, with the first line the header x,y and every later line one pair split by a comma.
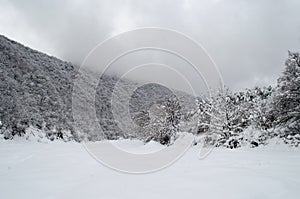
x,y
65,170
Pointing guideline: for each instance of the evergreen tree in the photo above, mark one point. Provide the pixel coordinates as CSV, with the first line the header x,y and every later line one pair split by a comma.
x,y
285,112
223,123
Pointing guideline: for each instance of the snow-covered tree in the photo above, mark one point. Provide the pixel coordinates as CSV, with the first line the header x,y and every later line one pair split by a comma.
x,y
286,102
197,120
165,121
225,117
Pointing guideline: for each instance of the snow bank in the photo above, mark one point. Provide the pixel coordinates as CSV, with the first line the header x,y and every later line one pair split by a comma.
x,y
65,170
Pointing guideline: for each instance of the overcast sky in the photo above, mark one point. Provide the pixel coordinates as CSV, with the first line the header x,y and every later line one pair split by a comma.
x,y
248,39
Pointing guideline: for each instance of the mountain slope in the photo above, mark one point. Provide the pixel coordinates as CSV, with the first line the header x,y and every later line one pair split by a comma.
x,y
37,90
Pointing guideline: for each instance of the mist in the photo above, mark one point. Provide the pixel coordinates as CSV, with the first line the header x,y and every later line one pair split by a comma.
x,y
248,40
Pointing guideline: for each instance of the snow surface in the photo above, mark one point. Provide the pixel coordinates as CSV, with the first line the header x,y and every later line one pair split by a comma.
x,y
65,170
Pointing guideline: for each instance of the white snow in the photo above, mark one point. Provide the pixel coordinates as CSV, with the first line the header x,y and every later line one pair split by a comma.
x,y
65,170
137,146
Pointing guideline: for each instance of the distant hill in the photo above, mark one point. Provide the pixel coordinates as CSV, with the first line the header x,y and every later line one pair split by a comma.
x,y
36,89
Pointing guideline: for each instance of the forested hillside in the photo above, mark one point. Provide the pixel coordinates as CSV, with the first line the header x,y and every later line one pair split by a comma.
x,y
36,91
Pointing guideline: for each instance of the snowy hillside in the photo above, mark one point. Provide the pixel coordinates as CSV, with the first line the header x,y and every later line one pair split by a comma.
x,y
36,90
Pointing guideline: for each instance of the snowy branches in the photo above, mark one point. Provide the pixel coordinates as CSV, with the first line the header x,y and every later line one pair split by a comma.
x,y
271,111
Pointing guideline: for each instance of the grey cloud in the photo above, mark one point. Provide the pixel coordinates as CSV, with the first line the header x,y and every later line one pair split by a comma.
x,y
247,39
